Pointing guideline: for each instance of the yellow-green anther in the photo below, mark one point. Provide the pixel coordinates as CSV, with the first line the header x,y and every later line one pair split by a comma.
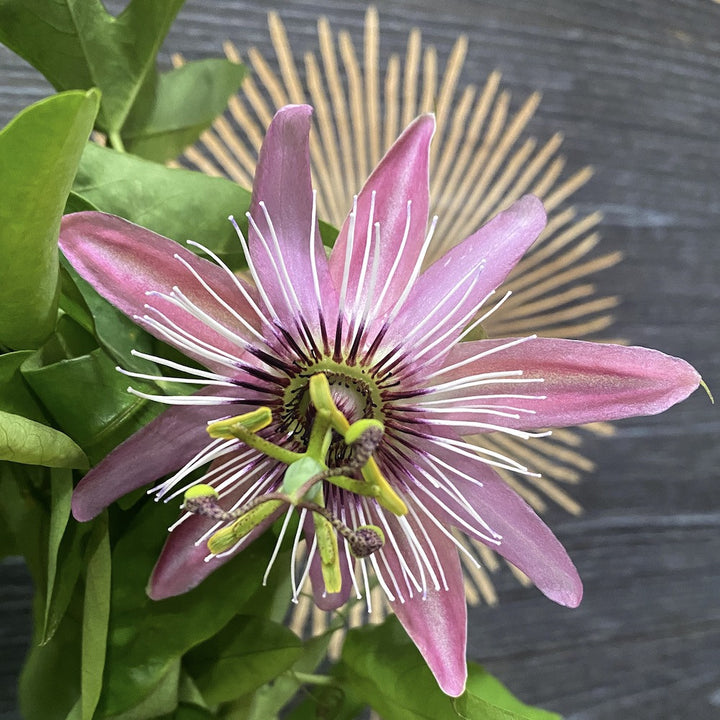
x,y
329,556
252,422
386,496
365,540
244,427
201,491
360,427
225,538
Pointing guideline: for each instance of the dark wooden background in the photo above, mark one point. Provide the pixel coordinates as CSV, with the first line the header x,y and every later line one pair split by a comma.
x,y
635,88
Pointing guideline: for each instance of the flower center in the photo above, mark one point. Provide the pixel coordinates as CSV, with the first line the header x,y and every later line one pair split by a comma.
x,y
352,390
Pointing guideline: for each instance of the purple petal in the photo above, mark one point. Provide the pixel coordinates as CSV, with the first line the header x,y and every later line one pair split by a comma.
x,y
582,381
283,184
401,176
526,541
437,622
454,286
159,448
181,565
123,262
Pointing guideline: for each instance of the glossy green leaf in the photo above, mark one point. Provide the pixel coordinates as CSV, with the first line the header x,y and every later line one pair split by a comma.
x,y
187,100
39,153
78,44
71,562
482,686
24,517
15,394
383,669
96,615
146,636
30,442
249,652
269,702
177,203
162,699
50,680
107,414
61,494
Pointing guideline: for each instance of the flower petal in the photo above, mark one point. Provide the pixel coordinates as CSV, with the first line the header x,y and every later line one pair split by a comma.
x,y
161,447
581,381
449,292
181,565
526,541
124,262
401,176
283,184
436,621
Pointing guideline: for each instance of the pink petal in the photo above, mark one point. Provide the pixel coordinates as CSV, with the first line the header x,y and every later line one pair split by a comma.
x,y
401,176
452,287
161,447
181,565
526,541
436,623
123,261
283,184
582,381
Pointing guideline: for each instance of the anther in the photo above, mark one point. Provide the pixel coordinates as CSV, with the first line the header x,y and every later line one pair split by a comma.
x,y
366,540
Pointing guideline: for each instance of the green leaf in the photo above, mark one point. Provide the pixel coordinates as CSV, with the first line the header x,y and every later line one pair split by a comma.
x,y
32,443
15,394
39,153
96,613
146,636
249,652
78,44
382,668
177,203
24,517
61,494
482,685
50,680
187,100
268,702
70,563
162,699
106,415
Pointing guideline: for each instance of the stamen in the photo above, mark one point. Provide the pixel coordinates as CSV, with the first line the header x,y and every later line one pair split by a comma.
x,y
416,271
220,300
165,378
308,564
484,353
350,242
178,366
253,271
293,555
282,272
189,399
278,543
396,261
484,317
366,256
246,295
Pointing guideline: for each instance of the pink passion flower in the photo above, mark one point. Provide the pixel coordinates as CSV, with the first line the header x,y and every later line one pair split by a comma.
x,y
340,390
